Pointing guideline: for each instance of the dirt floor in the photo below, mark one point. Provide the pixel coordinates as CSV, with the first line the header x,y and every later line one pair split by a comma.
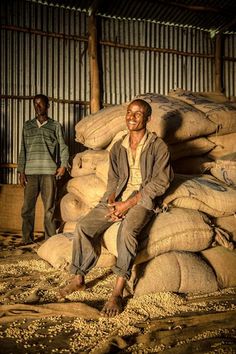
x,y
33,321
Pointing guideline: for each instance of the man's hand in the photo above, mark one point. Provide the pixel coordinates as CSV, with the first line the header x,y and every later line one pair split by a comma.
x,y
118,210
60,172
23,179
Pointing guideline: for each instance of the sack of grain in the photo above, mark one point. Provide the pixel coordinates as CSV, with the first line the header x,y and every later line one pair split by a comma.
x,y
85,163
57,251
222,114
215,96
175,230
176,121
227,223
72,207
204,193
223,261
194,147
102,170
192,165
117,137
224,146
225,171
89,189
181,272
98,129
69,226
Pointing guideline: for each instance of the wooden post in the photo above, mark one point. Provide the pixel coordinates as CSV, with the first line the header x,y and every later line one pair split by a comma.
x,y
218,64
94,67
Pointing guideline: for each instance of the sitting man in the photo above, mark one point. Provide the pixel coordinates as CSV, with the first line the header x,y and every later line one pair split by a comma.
x,y
139,173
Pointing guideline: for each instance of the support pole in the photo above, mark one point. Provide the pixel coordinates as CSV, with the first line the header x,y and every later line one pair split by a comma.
x,y
218,63
94,67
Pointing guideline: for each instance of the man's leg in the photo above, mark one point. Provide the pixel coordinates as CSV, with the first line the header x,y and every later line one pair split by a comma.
x,y
86,246
48,194
130,233
31,193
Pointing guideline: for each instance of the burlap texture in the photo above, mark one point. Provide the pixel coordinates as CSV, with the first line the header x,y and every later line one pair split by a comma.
x,y
173,271
85,163
72,207
223,261
89,189
57,251
204,193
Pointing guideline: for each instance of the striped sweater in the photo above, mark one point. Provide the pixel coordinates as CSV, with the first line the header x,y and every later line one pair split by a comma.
x,y
43,149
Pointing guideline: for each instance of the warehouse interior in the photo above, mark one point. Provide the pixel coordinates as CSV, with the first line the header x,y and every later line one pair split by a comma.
x,y
91,58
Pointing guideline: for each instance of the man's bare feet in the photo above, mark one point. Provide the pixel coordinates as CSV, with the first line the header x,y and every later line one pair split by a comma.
x,y
113,307
76,284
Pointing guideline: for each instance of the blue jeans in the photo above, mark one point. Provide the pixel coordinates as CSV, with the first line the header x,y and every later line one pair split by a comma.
x,y
87,241
46,184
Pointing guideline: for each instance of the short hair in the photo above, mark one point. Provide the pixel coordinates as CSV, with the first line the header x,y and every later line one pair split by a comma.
x,y
42,97
144,104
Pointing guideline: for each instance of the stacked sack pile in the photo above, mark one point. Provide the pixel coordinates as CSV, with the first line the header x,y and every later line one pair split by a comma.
x,y
189,246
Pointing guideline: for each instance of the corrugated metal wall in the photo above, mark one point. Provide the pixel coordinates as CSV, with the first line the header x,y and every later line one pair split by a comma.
x,y
44,49
154,58
230,65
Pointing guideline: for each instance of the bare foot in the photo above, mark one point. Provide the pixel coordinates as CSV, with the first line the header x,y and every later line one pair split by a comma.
x,y
76,284
113,307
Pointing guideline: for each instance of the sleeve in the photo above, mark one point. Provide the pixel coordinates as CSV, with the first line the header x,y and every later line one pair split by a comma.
x,y
63,148
22,155
113,174
161,177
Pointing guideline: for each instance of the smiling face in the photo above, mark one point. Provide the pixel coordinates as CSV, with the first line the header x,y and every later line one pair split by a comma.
x,y
137,116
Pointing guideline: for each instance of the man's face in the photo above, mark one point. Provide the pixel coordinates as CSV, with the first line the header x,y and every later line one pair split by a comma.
x,y
40,107
136,117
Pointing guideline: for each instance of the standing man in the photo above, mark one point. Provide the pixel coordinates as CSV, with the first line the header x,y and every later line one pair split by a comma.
x,y
43,158
139,174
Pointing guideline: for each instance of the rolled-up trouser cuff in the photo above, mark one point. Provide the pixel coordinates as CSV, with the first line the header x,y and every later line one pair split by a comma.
x,y
121,273
75,270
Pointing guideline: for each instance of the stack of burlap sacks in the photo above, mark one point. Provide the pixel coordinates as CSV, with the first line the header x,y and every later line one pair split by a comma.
x,y
189,246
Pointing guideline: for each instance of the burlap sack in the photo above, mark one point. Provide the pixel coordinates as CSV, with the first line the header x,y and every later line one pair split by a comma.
x,y
224,146
102,170
117,137
223,262
204,193
176,121
69,226
227,223
181,272
97,130
72,207
193,165
57,251
225,171
194,147
89,189
215,96
222,114
175,230
85,163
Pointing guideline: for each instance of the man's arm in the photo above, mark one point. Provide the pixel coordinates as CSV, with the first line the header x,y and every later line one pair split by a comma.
x,y
162,176
117,210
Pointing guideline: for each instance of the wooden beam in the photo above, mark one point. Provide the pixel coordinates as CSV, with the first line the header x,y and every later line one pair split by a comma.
x,y
218,63
95,94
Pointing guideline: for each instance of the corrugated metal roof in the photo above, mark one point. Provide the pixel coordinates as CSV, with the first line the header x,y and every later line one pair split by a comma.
x,y
215,15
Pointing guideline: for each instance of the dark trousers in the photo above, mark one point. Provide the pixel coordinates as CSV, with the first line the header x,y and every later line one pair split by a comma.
x,y
46,184
88,237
